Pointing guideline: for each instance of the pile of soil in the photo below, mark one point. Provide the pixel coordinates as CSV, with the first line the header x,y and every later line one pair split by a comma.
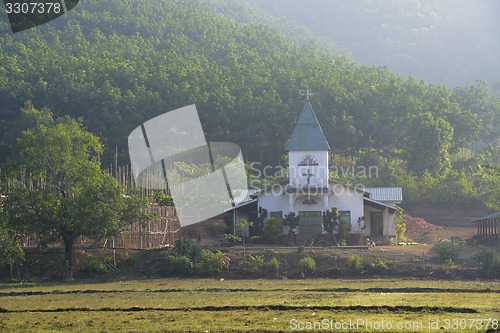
x,y
417,228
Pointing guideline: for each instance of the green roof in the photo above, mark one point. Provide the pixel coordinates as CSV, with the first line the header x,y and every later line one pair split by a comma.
x,y
385,193
488,217
308,134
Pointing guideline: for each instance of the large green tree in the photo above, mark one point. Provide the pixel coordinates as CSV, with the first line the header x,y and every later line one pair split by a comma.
x,y
489,176
58,191
427,145
11,253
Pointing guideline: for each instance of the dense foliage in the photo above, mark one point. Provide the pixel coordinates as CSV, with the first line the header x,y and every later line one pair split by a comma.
x,y
447,249
120,63
57,191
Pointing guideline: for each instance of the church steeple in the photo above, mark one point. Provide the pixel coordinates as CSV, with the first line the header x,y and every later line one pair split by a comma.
x,y
308,151
308,134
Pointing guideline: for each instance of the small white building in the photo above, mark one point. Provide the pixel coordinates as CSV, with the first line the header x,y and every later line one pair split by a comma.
x,y
309,192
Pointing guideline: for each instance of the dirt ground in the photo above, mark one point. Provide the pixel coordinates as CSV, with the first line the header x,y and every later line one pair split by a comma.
x,y
421,249
449,215
447,233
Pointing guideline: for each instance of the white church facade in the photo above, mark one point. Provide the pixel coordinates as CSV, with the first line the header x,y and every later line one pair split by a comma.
x,y
309,192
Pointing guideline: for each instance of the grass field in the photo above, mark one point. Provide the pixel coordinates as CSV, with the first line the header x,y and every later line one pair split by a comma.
x,y
201,305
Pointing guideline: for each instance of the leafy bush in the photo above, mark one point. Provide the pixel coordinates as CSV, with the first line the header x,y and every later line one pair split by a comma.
x,y
164,266
291,221
448,249
344,231
209,262
197,261
355,263
182,266
307,265
274,265
11,253
186,247
450,266
381,264
273,230
489,262
93,266
400,232
173,266
222,260
253,264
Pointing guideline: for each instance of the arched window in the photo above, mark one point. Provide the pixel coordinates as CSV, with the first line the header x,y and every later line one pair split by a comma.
x,y
308,160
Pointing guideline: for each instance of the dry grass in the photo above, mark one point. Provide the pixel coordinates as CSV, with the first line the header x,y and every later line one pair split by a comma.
x,y
213,305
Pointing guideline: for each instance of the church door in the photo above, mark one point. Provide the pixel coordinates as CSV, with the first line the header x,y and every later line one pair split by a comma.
x,y
310,225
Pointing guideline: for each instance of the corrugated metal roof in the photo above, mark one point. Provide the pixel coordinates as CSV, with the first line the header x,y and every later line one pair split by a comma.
x,y
243,199
488,217
245,196
379,203
308,134
240,205
385,193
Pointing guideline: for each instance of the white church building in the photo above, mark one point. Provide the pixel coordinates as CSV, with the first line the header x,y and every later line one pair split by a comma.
x,y
309,192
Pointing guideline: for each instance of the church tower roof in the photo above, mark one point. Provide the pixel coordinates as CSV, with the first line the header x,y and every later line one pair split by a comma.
x,y
308,134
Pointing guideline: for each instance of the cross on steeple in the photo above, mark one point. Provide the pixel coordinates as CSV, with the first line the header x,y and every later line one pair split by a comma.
x,y
307,94
309,175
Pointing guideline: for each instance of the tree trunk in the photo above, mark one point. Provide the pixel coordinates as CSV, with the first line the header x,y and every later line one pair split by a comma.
x,y
68,257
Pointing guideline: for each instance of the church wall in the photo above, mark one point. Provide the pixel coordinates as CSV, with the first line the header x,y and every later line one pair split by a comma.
x,y
298,174
352,202
274,203
311,203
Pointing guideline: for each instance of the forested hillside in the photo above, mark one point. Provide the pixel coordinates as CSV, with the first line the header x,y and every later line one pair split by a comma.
x,y
455,41
119,63
244,12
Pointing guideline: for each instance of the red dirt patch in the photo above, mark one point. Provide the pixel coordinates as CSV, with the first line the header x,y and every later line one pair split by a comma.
x,y
417,228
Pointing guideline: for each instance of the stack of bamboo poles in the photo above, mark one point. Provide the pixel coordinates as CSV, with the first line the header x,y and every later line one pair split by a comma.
x,y
162,230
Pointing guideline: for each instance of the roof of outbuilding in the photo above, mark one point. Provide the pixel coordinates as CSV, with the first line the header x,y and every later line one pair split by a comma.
x,y
488,217
308,134
385,193
378,204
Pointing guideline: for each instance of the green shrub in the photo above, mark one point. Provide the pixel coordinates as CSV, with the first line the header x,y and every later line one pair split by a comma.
x,y
450,266
164,266
186,247
273,230
253,264
307,265
400,232
182,266
489,262
93,266
381,264
209,263
355,263
173,266
222,261
274,265
344,231
11,252
448,249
